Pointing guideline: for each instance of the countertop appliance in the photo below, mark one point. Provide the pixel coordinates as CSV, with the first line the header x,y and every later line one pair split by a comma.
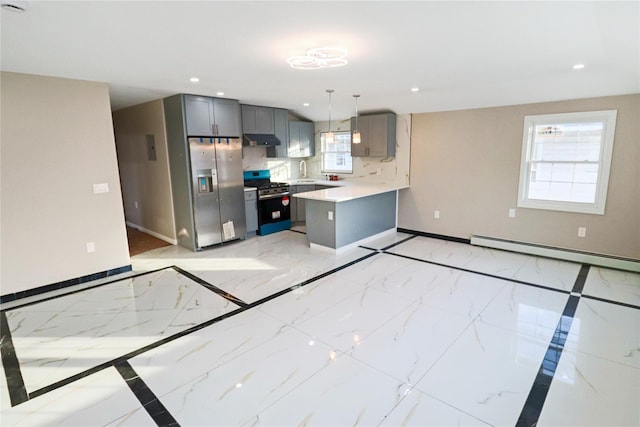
x,y
274,204
218,190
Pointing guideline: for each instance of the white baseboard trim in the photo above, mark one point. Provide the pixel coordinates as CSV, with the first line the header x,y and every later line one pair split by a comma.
x,y
558,253
152,233
350,246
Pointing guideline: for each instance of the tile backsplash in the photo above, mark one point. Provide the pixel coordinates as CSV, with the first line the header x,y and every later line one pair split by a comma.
x,y
392,170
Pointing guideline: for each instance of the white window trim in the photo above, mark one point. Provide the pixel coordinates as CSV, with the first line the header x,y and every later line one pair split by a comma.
x,y
608,117
322,153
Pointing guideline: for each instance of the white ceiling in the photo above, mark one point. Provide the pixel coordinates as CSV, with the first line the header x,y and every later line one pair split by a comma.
x,y
460,54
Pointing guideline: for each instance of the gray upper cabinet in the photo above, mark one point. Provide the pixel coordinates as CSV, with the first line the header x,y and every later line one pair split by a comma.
x,y
227,117
258,120
281,125
301,139
378,135
207,116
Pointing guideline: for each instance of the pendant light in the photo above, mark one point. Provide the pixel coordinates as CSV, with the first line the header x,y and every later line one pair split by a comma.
x,y
355,135
328,137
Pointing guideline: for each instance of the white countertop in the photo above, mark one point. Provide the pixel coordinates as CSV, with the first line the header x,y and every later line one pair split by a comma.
x,y
349,191
310,181
250,188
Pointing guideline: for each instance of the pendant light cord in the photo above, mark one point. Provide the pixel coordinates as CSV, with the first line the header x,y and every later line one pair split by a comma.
x,y
356,97
329,91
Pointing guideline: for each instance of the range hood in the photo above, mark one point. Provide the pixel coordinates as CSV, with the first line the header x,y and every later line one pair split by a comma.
x,y
260,140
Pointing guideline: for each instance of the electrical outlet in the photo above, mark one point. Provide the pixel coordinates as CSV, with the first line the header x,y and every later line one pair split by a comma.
x,y
100,188
512,213
91,247
436,214
582,231
330,215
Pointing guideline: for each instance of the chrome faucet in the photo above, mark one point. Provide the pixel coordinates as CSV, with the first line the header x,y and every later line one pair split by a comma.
x,y
303,169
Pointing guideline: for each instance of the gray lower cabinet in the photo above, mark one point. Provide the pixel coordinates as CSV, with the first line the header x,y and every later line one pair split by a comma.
x,y
206,116
251,208
293,189
301,214
378,135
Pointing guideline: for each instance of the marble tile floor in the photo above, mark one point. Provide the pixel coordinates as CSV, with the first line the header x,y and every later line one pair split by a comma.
x,y
407,330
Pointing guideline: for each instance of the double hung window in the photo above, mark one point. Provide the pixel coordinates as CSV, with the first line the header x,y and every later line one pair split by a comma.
x,y
566,160
336,156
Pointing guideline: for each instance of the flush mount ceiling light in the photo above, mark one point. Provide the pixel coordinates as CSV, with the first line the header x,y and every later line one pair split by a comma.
x,y
328,137
320,57
18,6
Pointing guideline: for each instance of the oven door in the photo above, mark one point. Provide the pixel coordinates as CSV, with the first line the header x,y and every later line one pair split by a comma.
x,y
274,213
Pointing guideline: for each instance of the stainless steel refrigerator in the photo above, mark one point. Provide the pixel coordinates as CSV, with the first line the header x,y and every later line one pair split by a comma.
x,y
217,190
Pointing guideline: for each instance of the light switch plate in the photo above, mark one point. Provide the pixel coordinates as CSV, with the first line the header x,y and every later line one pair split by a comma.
x,y
330,215
582,231
512,213
436,214
91,247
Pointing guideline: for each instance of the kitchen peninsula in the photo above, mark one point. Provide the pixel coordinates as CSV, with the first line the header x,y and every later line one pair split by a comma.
x,y
343,217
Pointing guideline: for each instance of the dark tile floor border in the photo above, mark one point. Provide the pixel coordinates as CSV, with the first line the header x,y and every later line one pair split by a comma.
x,y
581,273
15,383
531,410
131,354
64,284
145,396
75,291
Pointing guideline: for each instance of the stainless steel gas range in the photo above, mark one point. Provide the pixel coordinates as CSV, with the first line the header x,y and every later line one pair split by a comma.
x,y
274,203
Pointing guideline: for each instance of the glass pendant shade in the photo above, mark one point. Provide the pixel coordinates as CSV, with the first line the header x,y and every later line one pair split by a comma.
x,y
328,138
356,138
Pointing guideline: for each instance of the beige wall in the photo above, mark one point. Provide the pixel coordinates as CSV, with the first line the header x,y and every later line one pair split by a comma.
x,y
57,141
146,184
466,165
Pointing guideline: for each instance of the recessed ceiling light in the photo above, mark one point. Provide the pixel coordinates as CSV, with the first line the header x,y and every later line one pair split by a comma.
x,y
306,104
578,66
194,80
220,93
415,89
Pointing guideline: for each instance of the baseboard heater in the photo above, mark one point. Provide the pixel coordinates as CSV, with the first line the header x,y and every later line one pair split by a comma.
x,y
610,261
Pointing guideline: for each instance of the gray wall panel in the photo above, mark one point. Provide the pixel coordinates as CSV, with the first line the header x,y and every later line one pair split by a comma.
x,y
353,220
360,218
320,230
